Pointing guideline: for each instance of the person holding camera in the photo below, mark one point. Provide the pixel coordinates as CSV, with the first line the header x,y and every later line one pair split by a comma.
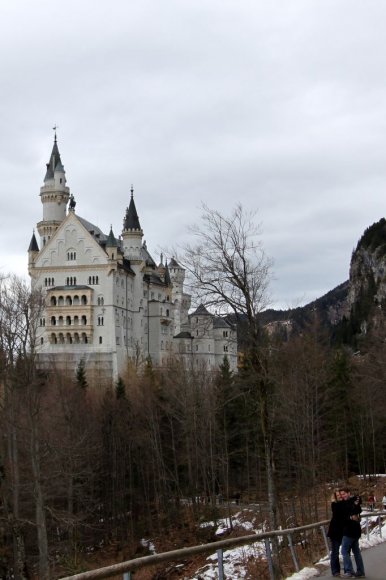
x,y
351,534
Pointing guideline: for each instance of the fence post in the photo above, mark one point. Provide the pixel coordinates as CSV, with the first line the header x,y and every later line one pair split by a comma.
x,y
294,558
367,528
220,563
325,540
269,558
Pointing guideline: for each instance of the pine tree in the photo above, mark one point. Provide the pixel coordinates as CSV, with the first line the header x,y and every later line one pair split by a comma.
x,y
81,378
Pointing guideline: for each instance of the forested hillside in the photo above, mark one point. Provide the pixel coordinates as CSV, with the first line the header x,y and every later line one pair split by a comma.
x,y
85,468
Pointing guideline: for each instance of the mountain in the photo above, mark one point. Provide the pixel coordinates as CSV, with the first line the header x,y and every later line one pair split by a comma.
x,y
354,308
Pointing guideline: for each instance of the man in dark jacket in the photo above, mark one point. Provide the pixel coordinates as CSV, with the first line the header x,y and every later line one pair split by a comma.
x,y
351,534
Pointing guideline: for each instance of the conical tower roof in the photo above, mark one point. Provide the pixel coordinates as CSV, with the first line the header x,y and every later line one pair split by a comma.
x,y
33,246
111,242
55,163
131,221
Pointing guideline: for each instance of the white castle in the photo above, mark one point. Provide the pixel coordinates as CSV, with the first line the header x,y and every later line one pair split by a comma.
x,y
106,302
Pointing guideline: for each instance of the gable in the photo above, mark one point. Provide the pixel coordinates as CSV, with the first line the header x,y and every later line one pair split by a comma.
x,y
71,244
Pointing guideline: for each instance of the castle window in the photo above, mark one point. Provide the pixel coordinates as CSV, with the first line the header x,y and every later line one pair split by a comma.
x,y
54,340
208,347
225,348
60,301
53,321
196,347
53,301
167,312
100,340
100,320
225,333
76,320
84,338
84,320
117,339
76,338
41,340
84,300
68,301
68,320
71,255
75,300
60,320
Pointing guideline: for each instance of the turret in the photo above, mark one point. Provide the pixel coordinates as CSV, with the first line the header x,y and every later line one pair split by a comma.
x,y
33,251
132,233
111,245
54,195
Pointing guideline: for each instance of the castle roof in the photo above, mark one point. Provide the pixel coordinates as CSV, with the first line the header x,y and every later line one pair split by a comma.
x,y
33,246
174,264
183,334
55,163
201,311
131,221
111,242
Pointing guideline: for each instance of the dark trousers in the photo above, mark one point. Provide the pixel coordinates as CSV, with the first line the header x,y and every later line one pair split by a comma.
x,y
352,544
334,556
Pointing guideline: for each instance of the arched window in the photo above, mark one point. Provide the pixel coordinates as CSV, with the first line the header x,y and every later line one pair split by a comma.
x,y
84,320
84,300
76,320
76,338
60,321
75,300
60,301
68,338
53,300
53,321
68,301
61,338
68,320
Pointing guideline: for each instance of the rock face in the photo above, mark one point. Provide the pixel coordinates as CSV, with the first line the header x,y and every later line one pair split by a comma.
x,y
353,308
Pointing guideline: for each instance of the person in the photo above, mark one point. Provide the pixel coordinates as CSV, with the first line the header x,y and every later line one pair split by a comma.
x,y
371,502
335,531
384,502
351,534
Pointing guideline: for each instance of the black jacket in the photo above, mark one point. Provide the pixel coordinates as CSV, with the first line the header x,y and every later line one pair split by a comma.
x,y
339,514
352,526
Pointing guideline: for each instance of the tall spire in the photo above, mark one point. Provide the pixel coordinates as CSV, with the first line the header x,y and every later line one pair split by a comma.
x,y
131,221
55,162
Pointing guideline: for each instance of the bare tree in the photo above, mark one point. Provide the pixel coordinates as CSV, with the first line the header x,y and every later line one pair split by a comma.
x,y
230,272
228,267
19,314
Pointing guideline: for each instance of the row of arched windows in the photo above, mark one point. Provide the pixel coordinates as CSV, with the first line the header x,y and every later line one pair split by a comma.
x,y
60,320
69,300
71,281
68,338
100,321
93,280
49,282
101,301
71,255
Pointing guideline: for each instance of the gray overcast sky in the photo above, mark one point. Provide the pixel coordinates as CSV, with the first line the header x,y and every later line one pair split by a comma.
x,y
279,105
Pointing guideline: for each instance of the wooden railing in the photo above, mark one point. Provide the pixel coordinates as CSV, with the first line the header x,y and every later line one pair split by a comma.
x,y
126,568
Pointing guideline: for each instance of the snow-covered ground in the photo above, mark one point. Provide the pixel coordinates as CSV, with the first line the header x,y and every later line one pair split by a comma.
x,y
235,559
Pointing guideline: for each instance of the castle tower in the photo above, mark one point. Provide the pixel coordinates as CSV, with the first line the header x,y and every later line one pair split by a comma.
x,y
54,196
132,233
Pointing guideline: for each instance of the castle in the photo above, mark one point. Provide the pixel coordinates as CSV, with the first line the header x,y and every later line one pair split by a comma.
x,y
106,301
